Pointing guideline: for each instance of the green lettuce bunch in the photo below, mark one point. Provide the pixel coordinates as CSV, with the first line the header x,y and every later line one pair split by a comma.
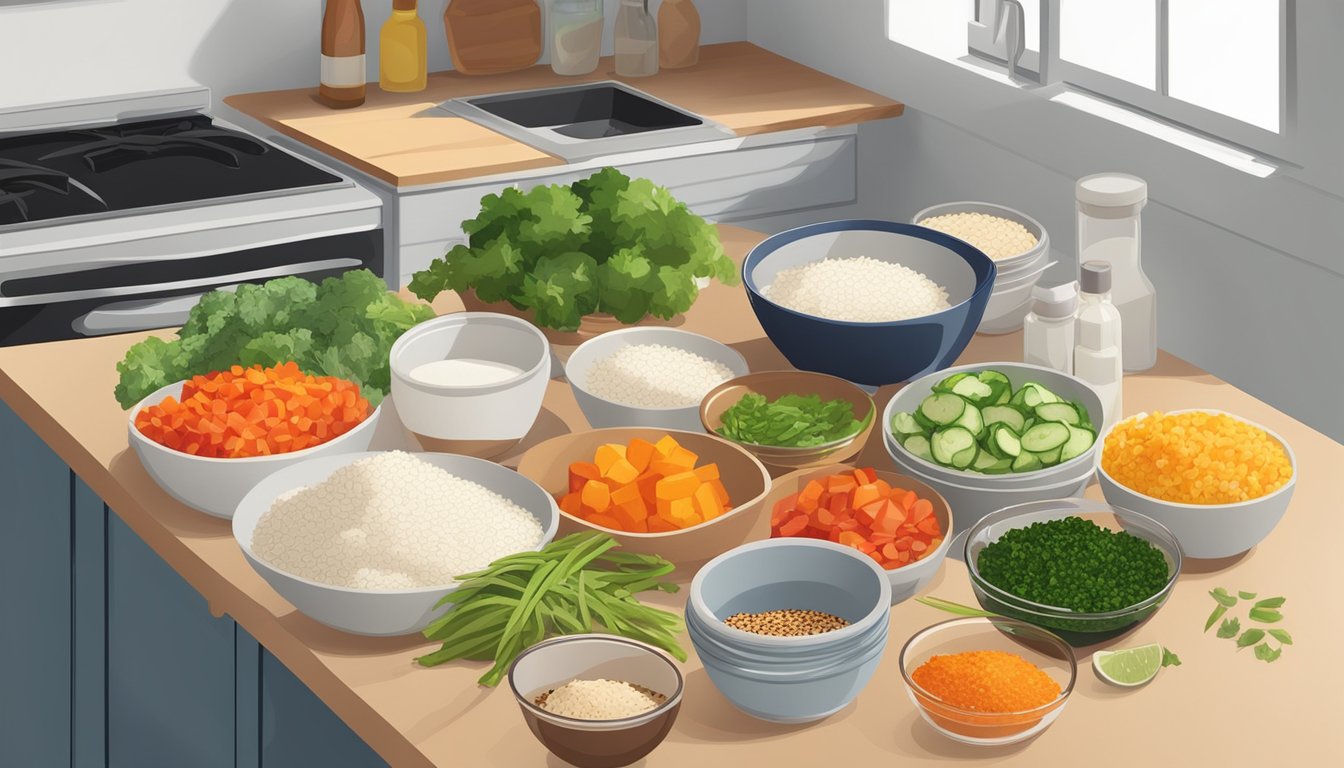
x,y
603,244
344,327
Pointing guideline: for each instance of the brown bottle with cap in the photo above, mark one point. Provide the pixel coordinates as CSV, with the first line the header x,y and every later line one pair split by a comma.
x,y
342,55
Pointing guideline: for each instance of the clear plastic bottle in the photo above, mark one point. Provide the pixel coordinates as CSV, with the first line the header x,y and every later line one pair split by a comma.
x,y
1097,356
636,40
1109,230
1047,331
576,36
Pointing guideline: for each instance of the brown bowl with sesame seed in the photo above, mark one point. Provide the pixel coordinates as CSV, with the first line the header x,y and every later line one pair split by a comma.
x,y
591,743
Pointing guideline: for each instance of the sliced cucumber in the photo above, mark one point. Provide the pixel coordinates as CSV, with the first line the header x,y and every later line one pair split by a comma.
x,y
975,390
924,422
947,443
989,377
1080,440
1051,457
1026,462
1004,414
1045,436
984,460
1005,395
1000,467
1045,394
943,408
947,384
905,424
1004,442
1063,412
972,421
918,445
964,459
1028,424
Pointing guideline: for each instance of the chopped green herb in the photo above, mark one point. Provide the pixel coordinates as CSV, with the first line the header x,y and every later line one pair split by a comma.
x,y
1263,611
797,421
1250,637
1170,659
1282,636
1246,595
1224,599
1217,614
1271,602
1267,654
1076,564
1229,628
1266,615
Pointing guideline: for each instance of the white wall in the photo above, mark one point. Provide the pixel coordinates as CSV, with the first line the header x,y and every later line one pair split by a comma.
x,y
1249,272
56,50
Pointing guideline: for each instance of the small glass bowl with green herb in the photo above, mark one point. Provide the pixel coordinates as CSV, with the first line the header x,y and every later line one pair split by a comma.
x,y
793,419
1081,568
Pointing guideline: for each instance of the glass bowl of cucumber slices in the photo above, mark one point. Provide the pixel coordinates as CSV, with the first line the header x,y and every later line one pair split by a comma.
x,y
995,434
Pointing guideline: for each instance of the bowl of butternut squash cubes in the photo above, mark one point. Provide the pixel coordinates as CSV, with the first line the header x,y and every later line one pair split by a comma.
x,y
684,496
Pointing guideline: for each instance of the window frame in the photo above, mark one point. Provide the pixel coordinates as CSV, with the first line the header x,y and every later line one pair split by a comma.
x,y
1157,103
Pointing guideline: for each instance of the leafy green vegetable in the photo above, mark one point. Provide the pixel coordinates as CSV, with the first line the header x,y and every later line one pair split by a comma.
x,y
1170,659
1246,595
1282,636
606,243
796,421
1222,597
1266,653
955,608
1265,615
344,327
566,588
1271,602
1218,611
1229,628
1250,637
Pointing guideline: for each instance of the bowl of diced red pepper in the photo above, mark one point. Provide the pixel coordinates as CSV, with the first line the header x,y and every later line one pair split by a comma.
x,y
901,523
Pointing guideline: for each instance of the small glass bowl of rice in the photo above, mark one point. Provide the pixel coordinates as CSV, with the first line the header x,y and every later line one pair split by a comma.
x,y
1016,242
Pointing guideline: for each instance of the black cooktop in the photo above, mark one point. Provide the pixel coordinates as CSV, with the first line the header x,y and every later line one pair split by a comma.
x,y
126,166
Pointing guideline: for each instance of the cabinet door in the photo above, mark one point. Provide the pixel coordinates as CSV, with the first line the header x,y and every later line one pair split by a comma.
x,y
170,671
298,730
35,614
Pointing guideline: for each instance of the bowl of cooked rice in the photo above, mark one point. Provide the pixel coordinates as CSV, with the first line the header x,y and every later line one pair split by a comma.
x,y
874,302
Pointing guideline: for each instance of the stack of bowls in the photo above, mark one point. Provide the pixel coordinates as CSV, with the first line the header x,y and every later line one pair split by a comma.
x,y
972,495
1010,300
871,354
1078,628
790,679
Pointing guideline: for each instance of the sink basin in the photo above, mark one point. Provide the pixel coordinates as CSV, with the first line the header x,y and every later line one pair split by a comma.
x,y
585,121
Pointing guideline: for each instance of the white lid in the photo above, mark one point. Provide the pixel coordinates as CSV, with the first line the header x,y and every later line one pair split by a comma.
x,y
1059,301
1111,190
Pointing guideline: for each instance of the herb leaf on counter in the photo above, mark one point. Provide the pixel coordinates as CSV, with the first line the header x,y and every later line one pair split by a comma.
x,y
344,327
1222,597
1217,614
1271,602
1282,636
1230,628
1250,637
1267,654
1170,659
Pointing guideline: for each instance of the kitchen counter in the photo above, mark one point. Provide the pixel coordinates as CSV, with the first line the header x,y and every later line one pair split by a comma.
x,y
1220,707
400,139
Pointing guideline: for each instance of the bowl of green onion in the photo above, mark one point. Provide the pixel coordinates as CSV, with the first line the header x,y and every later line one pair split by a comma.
x,y
791,419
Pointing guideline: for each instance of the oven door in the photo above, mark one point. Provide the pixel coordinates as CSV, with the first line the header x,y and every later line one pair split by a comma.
x,y
159,293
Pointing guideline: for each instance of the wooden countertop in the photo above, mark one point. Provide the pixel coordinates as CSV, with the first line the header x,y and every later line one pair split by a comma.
x,y
399,138
1219,708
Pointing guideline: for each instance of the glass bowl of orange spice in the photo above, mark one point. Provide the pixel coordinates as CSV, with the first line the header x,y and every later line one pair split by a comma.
x,y
988,681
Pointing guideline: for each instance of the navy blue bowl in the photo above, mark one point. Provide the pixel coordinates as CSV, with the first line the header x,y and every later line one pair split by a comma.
x,y
873,354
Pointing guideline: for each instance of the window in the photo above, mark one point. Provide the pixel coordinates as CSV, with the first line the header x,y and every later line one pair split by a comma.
x,y
1219,67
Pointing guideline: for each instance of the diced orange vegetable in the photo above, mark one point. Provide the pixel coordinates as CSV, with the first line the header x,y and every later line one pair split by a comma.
x,y
659,525
706,503
665,446
256,411
596,496
622,472
679,486
707,472
682,458
882,527
580,472
606,456
639,453
571,503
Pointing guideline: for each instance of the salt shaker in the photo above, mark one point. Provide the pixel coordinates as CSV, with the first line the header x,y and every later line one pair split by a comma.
x,y
1097,357
1047,335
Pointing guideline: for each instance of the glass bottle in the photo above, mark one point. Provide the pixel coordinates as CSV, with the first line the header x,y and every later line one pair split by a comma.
x,y
342,55
403,50
1109,231
678,34
1097,357
1047,331
636,40
576,36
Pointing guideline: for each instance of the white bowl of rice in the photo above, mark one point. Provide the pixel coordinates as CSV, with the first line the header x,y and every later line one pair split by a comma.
x,y
369,543
649,377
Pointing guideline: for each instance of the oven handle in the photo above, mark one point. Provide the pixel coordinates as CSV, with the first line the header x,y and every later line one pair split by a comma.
x,y
177,285
137,315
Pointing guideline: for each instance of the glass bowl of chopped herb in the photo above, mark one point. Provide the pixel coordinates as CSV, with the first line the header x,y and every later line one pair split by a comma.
x,y
793,419
988,681
1081,568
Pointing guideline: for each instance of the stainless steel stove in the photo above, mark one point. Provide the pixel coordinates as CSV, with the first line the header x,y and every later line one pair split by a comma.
x,y
115,215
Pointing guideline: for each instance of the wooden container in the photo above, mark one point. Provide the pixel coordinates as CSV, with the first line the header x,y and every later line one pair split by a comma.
x,y
486,37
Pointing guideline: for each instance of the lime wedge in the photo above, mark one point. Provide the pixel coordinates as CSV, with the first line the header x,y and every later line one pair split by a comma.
x,y
1129,667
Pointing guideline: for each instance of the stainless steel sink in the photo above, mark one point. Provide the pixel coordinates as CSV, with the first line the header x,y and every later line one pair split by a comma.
x,y
581,122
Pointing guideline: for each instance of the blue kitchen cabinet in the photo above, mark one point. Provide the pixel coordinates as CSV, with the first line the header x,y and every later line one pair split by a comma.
x,y
111,660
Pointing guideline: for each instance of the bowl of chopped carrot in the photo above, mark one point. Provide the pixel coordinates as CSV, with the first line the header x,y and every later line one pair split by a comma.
x,y
903,524
209,439
1218,482
684,496
988,681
